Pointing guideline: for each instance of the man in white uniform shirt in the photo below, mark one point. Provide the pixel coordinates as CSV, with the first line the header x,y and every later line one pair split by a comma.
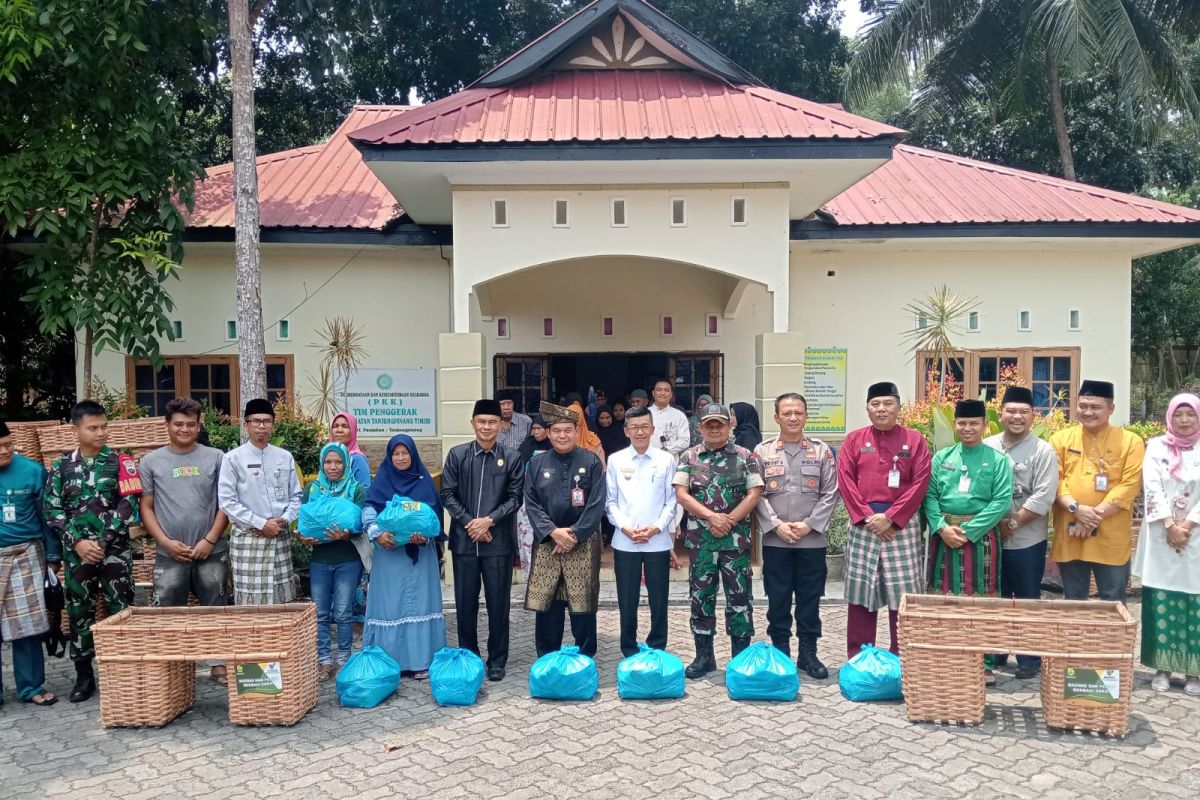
x,y
671,429
641,506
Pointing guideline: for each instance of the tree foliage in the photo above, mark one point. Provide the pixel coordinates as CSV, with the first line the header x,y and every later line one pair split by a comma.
x,y
91,164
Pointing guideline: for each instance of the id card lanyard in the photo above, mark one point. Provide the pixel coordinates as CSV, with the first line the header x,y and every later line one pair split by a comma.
x,y
894,473
577,495
964,481
10,508
1102,477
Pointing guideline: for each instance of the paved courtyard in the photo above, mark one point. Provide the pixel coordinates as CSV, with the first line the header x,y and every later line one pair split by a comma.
x,y
509,746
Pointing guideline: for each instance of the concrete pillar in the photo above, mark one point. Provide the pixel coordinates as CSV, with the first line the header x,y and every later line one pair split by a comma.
x,y
461,376
779,368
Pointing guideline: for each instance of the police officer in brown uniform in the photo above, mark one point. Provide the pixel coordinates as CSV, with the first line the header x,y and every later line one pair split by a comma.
x,y
798,499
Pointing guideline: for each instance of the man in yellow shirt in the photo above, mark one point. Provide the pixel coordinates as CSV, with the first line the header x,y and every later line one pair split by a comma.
x,y
1099,477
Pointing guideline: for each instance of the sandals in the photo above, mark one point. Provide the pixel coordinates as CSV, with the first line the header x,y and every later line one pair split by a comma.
x,y
325,672
43,699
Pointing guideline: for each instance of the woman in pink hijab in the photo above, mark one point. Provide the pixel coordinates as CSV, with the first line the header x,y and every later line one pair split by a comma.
x,y
344,430
1168,549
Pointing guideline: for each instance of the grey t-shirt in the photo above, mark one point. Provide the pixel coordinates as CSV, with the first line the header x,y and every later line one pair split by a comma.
x,y
184,486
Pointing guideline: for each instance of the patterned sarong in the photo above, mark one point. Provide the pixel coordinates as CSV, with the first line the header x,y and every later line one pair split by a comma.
x,y
22,583
972,570
573,577
262,568
879,573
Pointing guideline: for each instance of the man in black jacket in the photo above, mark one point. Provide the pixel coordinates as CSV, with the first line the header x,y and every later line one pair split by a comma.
x,y
482,488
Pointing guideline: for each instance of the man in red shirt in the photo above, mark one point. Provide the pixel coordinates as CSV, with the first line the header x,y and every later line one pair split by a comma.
x,y
883,472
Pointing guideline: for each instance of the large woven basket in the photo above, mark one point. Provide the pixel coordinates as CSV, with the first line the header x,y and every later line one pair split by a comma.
x,y
138,436
943,640
25,437
138,639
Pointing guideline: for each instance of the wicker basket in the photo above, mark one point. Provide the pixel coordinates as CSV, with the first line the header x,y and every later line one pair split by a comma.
x,y
943,640
145,695
1060,712
142,638
25,437
138,436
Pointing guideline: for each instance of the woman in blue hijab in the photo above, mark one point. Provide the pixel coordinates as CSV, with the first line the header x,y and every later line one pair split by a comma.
x,y
404,606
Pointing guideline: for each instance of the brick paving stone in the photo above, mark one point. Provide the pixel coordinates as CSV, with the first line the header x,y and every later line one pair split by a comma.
x,y
509,746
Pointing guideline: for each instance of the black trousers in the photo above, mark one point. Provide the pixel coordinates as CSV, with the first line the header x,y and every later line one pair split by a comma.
x,y
628,567
548,629
793,574
494,574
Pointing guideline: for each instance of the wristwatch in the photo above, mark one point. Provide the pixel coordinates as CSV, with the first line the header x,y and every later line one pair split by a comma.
x,y
1013,524
1073,507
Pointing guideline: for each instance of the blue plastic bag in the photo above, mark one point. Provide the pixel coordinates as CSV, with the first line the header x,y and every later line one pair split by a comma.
x,y
873,674
323,512
455,676
403,517
762,672
369,678
650,674
564,675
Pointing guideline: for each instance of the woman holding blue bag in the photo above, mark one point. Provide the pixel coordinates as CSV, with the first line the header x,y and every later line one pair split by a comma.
x,y
404,606
336,567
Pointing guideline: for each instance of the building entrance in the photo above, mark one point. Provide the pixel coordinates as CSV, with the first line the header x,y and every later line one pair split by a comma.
x,y
538,376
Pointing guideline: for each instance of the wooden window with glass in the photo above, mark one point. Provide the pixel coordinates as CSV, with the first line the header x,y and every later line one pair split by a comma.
x,y
528,375
694,374
212,380
1051,373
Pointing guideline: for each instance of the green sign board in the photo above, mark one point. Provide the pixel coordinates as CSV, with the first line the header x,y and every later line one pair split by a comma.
x,y
259,678
825,389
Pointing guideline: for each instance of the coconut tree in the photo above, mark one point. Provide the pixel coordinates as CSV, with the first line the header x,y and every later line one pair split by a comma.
x,y
1013,53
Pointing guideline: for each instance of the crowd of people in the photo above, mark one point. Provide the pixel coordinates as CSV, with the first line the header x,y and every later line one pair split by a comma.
x,y
972,519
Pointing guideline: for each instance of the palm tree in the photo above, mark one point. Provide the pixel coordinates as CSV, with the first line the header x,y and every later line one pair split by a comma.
x,y
1007,53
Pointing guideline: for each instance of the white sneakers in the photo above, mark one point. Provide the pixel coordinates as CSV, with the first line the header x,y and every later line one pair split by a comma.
x,y
1161,681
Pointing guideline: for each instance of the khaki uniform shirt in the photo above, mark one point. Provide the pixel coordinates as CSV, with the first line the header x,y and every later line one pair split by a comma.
x,y
801,485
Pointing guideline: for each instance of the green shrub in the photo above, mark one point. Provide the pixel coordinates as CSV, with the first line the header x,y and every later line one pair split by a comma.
x,y
1147,429
838,530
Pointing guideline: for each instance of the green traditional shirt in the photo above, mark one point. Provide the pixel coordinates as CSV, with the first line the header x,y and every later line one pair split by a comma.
x,y
719,480
83,500
988,497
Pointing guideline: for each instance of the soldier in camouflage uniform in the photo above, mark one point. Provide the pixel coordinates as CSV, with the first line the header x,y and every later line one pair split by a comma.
x,y
84,506
718,483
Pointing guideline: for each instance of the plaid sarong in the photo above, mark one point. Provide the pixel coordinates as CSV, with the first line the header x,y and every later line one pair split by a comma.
x,y
22,583
573,577
879,573
262,568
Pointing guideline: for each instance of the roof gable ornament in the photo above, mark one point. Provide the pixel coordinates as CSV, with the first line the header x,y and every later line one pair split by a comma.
x,y
613,54
616,34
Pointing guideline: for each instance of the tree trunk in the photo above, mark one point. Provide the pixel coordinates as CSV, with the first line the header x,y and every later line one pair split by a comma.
x,y
88,344
251,343
1059,115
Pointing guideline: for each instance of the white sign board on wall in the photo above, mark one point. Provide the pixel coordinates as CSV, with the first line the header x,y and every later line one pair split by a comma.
x,y
391,401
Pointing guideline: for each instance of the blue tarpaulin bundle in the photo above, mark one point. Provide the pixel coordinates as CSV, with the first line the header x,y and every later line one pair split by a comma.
x,y
564,674
455,676
873,674
762,672
322,512
403,517
369,678
650,674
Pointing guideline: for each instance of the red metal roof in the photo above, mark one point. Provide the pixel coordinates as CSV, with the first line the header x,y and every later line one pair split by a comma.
x,y
323,186
920,187
619,105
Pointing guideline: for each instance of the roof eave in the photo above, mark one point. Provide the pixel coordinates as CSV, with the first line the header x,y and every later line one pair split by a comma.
x,y
626,150
812,230
407,234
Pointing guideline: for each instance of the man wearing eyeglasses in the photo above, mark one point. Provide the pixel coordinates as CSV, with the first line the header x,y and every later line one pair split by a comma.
x,y
641,506
260,493
798,499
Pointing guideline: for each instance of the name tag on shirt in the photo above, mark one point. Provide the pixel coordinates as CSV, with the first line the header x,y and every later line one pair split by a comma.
x,y
1101,482
893,479
964,484
577,498
279,493
10,513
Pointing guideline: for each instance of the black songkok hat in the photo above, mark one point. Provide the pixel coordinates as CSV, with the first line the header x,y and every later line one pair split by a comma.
x,y
1101,389
1017,394
4,431
970,408
885,389
507,394
487,407
258,406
